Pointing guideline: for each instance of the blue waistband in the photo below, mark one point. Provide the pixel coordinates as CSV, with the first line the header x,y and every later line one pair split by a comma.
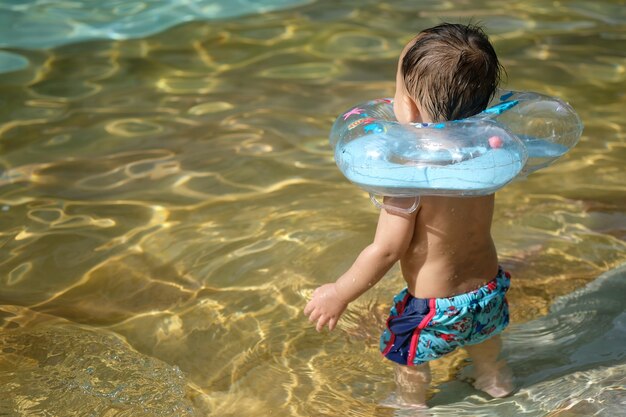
x,y
497,286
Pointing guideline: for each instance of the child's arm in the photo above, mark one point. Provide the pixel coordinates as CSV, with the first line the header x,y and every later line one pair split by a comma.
x,y
393,236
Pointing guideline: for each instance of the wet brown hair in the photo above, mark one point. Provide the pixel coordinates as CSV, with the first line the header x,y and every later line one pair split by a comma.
x,y
452,70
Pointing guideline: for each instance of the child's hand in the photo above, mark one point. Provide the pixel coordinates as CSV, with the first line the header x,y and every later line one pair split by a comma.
x,y
325,307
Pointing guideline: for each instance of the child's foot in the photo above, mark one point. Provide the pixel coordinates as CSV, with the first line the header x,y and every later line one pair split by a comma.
x,y
407,400
412,385
498,382
399,402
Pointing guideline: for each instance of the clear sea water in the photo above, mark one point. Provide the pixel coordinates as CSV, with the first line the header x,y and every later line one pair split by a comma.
x,y
168,201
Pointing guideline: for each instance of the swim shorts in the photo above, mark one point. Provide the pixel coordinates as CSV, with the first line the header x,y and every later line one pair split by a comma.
x,y
422,329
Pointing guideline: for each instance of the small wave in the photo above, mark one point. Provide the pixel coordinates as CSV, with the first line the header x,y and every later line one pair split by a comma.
x,y
66,369
577,348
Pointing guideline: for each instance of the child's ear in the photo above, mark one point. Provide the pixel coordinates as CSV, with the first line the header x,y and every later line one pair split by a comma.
x,y
413,111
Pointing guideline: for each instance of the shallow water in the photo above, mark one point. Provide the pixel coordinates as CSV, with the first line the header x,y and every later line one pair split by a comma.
x,y
167,205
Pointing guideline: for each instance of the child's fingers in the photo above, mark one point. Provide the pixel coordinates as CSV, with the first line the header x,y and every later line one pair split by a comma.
x,y
320,323
308,308
332,323
315,314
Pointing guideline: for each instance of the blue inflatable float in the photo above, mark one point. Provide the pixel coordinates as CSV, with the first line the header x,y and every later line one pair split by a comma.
x,y
517,134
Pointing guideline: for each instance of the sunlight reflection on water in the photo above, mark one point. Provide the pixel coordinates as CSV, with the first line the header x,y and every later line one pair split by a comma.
x,y
173,199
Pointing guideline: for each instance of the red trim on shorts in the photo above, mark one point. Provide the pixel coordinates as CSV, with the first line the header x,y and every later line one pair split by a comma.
x,y
399,309
432,305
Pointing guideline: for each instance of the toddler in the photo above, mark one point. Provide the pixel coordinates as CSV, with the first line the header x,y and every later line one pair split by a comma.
x,y
455,294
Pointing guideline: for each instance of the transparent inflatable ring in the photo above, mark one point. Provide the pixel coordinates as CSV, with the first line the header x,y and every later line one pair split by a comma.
x,y
519,133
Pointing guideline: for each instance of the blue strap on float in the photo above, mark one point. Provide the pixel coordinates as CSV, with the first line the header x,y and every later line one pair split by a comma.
x,y
502,107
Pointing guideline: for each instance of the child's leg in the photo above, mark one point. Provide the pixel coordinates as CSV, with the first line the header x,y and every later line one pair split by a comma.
x,y
412,382
492,376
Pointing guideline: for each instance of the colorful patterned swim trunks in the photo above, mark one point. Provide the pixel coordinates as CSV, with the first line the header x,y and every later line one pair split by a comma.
x,y
422,329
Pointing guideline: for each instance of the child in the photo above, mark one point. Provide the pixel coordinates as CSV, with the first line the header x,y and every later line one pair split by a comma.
x,y
455,293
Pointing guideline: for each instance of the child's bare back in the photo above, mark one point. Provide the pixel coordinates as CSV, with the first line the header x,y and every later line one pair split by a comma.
x,y
452,251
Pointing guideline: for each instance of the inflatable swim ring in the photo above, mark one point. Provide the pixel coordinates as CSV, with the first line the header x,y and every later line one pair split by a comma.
x,y
519,133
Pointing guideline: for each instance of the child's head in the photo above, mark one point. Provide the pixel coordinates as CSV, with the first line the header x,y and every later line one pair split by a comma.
x,y
447,72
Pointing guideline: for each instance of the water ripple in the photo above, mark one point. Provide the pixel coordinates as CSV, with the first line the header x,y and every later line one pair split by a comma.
x,y
179,191
78,371
67,22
